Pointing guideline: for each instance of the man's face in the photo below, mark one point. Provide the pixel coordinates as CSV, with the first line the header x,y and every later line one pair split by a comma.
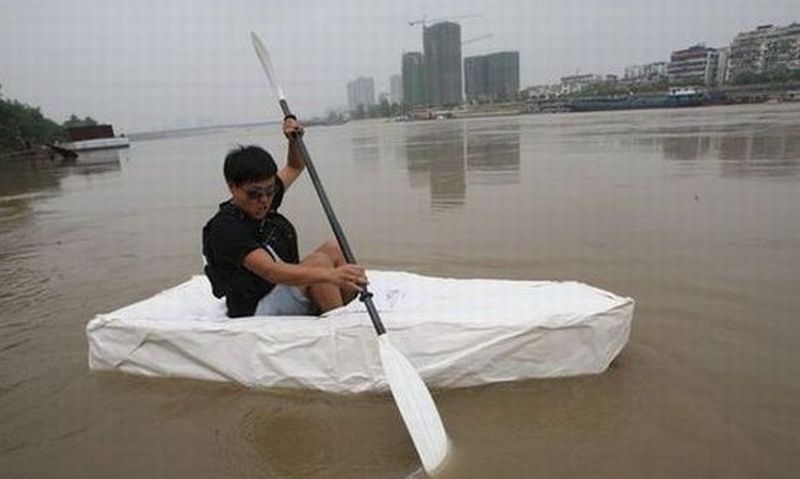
x,y
254,198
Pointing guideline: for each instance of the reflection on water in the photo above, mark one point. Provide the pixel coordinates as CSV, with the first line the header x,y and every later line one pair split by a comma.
x,y
437,161
93,162
686,148
19,176
458,153
366,151
776,154
493,156
24,182
749,150
289,443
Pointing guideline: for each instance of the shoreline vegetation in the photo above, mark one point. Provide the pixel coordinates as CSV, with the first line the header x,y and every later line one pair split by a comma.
x,y
26,132
23,128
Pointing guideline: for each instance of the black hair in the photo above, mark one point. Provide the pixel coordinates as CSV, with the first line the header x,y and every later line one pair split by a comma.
x,y
248,164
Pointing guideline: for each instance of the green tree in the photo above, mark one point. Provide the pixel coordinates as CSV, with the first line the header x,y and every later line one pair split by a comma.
x,y
359,113
774,76
22,126
385,108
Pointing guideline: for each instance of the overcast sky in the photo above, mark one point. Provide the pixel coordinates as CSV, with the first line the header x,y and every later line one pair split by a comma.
x,y
152,64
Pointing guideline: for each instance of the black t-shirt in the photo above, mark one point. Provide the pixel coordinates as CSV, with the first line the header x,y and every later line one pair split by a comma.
x,y
229,236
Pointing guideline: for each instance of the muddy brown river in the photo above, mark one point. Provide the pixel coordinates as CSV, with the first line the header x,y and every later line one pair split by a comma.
x,y
695,213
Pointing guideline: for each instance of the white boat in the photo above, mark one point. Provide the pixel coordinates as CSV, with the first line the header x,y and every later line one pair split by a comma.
x,y
93,137
97,144
456,332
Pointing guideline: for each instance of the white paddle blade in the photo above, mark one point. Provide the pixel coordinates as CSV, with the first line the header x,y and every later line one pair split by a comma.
x,y
416,406
266,63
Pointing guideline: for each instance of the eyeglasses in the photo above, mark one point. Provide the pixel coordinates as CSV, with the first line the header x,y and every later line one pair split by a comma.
x,y
257,193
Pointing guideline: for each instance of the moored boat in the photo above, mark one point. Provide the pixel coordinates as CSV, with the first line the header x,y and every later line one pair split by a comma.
x,y
456,332
93,137
675,98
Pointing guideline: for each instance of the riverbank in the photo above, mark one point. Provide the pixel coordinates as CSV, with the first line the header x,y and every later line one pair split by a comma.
x,y
677,98
33,153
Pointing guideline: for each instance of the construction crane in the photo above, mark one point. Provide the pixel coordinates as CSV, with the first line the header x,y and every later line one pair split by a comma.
x,y
477,39
424,20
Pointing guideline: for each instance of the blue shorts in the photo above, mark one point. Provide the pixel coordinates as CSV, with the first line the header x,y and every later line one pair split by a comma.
x,y
286,300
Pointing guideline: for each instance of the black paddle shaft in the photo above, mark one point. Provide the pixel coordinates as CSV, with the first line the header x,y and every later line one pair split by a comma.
x,y
365,296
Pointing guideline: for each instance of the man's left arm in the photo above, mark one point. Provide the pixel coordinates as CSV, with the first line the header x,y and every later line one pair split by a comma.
x,y
294,158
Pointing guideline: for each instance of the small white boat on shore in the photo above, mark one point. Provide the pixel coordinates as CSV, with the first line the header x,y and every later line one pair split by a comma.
x,y
94,137
97,144
456,332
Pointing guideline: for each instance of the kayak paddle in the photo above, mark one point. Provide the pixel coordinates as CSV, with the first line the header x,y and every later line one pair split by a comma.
x,y
409,391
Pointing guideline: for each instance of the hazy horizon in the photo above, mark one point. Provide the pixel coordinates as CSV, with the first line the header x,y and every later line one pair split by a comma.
x,y
148,65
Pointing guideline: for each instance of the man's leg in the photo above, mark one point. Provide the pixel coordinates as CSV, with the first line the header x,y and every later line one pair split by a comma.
x,y
325,296
331,249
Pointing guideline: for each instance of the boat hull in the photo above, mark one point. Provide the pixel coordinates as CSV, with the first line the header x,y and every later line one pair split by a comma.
x,y
97,144
457,333
636,102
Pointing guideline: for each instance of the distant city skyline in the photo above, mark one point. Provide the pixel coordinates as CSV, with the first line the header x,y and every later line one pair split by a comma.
x,y
147,65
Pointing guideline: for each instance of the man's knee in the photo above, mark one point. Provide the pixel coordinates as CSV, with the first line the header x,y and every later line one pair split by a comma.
x,y
318,258
331,249
329,246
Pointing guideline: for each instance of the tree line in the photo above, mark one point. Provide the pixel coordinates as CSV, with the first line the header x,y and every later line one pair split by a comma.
x,y
23,126
775,76
383,109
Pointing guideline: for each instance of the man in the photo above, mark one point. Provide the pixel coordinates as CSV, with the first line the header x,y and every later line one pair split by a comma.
x,y
251,249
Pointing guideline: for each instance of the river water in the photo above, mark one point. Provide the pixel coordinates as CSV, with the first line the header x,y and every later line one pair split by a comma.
x,y
694,213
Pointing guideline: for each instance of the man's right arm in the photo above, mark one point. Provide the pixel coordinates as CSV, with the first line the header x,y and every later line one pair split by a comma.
x,y
261,263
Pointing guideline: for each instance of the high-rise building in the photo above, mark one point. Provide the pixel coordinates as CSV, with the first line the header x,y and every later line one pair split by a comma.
x,y
649,72
765,49
396,89
696,64
360,92
492,77
782,48
576,83
633,72
442,43
655,70
414,79
503,75
723,62
476,78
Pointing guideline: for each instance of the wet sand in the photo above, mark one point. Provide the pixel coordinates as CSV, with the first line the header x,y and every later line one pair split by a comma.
x,y
694,213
